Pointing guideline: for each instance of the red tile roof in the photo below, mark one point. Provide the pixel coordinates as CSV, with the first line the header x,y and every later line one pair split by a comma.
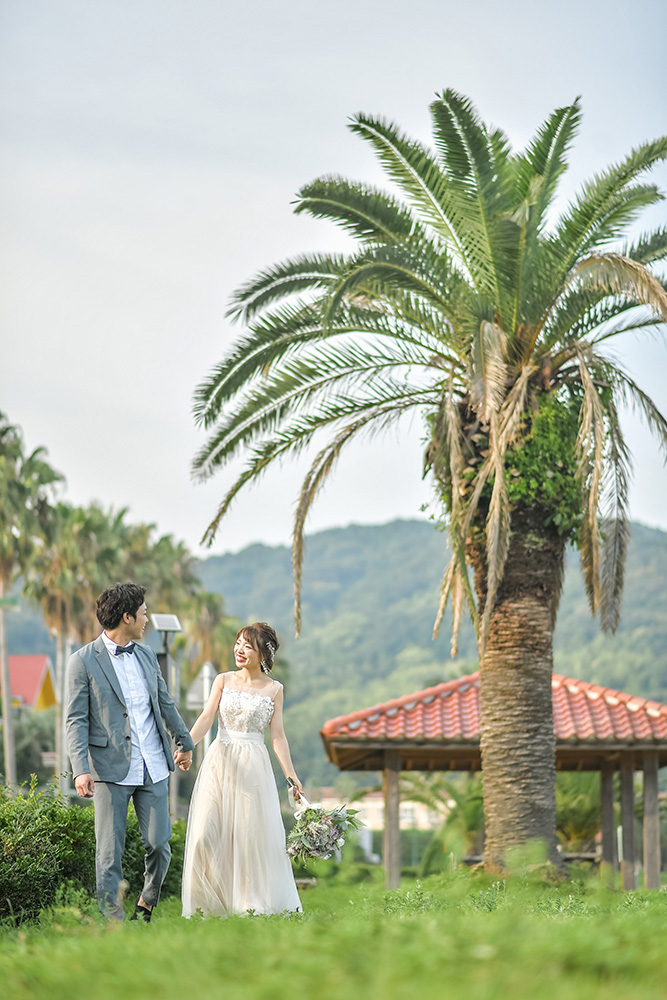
x,y
450,712
27,675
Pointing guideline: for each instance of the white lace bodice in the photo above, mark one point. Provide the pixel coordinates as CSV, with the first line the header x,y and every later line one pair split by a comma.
x,y
245,711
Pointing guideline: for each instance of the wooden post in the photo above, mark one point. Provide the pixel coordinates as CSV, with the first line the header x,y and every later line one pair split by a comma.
x,y
651,821
392,830
628,867
609,858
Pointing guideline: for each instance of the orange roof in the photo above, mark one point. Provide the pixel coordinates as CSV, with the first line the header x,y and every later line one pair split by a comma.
x,y
31,679
450,712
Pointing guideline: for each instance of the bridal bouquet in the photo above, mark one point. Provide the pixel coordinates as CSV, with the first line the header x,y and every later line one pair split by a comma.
x,y
318,832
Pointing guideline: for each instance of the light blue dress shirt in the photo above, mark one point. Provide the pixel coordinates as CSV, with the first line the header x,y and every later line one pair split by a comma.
x,y
147,746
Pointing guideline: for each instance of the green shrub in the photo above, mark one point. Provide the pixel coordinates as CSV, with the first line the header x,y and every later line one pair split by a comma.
x,y
44,843
47,843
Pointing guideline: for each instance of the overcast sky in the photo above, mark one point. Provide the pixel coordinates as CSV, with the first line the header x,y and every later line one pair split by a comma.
x,y
150,152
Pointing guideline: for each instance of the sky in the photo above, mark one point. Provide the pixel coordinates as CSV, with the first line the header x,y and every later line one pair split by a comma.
x,y
150,152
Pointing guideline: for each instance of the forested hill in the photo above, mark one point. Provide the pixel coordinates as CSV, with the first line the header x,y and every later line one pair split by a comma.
x,y
370,596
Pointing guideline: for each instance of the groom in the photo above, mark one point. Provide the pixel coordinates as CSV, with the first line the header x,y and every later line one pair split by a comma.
x,y
118,713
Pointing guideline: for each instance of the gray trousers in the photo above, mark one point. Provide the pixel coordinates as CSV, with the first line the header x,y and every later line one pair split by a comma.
x,y
152,808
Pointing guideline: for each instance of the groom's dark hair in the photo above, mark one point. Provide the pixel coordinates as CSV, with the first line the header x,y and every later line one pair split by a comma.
x,y
124,598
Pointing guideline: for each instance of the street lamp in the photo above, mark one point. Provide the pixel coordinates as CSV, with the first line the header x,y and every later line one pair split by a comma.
x,y
167,625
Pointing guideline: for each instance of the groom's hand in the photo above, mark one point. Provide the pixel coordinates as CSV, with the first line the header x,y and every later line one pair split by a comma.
x,y
85,785
184,759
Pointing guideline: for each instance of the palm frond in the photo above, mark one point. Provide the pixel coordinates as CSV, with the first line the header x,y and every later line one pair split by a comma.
x,y
590,450
279,333
450,463
649,248
471,160
312,484
414,169
632,320
615,525
497,528
545,159
263,409
404,266
296,436
640,402
589,211
614,274
458,603
306,272
445,591
364,211
293,328
489,370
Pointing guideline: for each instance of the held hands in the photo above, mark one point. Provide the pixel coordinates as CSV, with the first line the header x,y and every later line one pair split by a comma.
x,y
184,759
85,786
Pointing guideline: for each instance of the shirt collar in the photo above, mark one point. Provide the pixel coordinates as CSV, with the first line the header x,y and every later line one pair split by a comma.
x,y
110,644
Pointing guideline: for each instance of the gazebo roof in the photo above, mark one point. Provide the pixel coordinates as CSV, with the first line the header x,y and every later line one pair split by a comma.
x,y
438,728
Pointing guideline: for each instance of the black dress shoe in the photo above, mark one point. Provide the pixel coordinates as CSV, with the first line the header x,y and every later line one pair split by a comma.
x,y
141,911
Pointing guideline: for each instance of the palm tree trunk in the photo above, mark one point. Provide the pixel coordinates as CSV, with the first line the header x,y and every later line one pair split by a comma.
x,y
7,716
518,743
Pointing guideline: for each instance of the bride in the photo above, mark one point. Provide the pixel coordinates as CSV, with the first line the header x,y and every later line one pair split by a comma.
x,y
235,857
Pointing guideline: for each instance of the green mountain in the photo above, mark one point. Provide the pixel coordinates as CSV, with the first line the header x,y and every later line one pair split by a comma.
x,y
370,595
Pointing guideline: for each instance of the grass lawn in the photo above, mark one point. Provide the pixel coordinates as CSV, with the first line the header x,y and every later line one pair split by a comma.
x,y
457,936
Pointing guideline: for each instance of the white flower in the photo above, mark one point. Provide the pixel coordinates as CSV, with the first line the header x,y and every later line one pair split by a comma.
x,y
340,841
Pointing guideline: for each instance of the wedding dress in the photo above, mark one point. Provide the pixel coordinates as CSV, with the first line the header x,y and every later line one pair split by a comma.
x,y
235,856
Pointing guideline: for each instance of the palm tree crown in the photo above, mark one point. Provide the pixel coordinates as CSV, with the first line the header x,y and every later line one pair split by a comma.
x,y
467,300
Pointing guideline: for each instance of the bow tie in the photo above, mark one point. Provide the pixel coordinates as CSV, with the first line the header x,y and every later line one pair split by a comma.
x,y
124,649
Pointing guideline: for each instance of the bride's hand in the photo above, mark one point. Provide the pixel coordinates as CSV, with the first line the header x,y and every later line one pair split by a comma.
x,y
183,758
294,791
297,789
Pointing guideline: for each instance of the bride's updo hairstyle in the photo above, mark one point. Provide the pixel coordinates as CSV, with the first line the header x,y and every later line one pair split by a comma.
x,y
263,638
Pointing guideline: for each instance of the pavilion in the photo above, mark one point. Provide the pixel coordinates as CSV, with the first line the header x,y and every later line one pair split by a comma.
x,y
438,729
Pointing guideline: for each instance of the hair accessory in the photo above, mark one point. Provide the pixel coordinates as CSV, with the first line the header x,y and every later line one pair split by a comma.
x,y
271,649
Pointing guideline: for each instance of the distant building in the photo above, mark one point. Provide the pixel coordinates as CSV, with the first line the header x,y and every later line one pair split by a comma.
x,y
413,815
32,682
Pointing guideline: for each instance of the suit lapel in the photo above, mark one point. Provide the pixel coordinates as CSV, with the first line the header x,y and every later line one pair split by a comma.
x,y
105,663
147,667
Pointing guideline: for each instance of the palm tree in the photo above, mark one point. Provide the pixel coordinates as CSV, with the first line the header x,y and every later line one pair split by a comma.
x,y
26,481
209,633
169,574
468,300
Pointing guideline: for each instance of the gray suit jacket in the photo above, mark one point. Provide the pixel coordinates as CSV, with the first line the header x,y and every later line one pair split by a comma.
x,y
97,721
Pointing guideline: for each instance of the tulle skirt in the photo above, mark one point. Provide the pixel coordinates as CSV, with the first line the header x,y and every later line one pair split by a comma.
x,y
235,856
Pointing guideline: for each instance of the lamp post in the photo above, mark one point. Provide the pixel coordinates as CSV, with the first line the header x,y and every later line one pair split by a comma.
x,y
168,624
